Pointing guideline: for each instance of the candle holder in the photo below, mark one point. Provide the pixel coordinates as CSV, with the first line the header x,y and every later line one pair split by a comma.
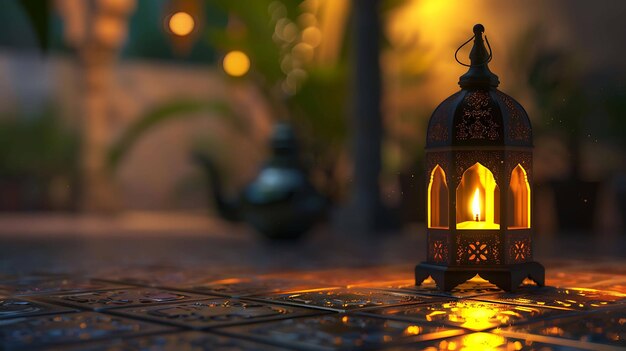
x,y
479,164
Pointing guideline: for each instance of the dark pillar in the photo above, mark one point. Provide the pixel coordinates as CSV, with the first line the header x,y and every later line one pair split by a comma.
x,y
366,120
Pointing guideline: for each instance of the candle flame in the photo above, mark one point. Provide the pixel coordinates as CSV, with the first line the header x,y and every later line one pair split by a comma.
x,y
476,205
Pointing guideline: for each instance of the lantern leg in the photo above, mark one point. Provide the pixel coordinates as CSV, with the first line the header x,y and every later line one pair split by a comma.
x,y
510,277
446,278
505,277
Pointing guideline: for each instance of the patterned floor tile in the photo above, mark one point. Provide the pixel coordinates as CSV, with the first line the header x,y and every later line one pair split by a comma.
x,y
347,299
494,342
241,287
213,313
613,267
32,277
577,278
469,314
616,285
17,308
18,333
181,341
599,327
351,276
107,299
385,284
42,285
474,287
157,276
340,331
559,298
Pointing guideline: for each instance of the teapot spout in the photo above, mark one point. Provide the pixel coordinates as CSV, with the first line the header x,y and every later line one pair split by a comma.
x,y
226,208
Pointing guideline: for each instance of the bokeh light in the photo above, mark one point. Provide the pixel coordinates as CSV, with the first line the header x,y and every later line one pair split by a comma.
x,y
312,36
236,63
181,23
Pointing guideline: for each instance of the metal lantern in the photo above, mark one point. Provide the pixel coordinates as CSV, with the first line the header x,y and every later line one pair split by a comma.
x,y
479,164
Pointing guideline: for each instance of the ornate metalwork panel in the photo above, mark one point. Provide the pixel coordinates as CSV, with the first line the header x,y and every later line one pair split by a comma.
x,y
478,248
477,118
519,246
439,126
438,247
518,129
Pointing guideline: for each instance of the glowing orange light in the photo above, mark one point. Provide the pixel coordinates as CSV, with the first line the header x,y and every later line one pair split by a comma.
x,y
181,23
476,205
438,199
477,191
412,330
483,342
478,317
312,36
236,63
520,191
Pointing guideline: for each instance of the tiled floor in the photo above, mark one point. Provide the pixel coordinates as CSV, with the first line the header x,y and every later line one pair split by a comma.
x,y
173,283
171,308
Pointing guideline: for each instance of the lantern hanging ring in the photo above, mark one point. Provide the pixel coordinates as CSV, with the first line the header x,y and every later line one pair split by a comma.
x,y
479,64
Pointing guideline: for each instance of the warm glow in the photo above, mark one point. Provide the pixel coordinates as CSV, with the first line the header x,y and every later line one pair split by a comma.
x,y
482,342
438,199
412,330
236,63
443,21
476,205
312,36
519,199
333,18
181,23
479,317
478,200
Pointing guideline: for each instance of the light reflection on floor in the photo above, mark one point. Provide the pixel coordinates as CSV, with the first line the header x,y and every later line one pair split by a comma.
x,y
375,307
466,313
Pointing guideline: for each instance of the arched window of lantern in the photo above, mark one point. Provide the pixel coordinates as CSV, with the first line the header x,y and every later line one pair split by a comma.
x,y
519,199
438,199
478,200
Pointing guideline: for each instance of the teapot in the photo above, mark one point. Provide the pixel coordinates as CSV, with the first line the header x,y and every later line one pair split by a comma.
x,y
281,202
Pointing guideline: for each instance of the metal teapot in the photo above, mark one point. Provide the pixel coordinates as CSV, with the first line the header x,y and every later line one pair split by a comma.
x,y
280,202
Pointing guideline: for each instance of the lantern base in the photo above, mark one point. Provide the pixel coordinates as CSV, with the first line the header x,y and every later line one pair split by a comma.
x,y
505,277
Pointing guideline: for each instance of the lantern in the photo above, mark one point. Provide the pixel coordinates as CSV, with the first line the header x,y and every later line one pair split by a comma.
x,y
479,183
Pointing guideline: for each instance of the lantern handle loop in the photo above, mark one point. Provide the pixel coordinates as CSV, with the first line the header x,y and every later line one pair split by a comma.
x,y
479,64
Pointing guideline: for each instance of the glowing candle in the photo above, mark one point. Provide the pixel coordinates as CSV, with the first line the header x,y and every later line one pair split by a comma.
x,y
478,219
476,205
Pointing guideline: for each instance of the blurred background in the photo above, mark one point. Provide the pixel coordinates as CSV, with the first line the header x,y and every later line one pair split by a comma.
x,y
154,114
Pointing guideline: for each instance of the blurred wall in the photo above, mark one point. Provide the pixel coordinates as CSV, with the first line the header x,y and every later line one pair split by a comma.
x,y
157,173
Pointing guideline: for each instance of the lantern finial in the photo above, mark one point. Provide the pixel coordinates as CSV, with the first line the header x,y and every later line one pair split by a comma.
x,y
478,75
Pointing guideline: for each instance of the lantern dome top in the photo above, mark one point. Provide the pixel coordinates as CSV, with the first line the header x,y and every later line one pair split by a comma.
x,y
479,114
478,75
